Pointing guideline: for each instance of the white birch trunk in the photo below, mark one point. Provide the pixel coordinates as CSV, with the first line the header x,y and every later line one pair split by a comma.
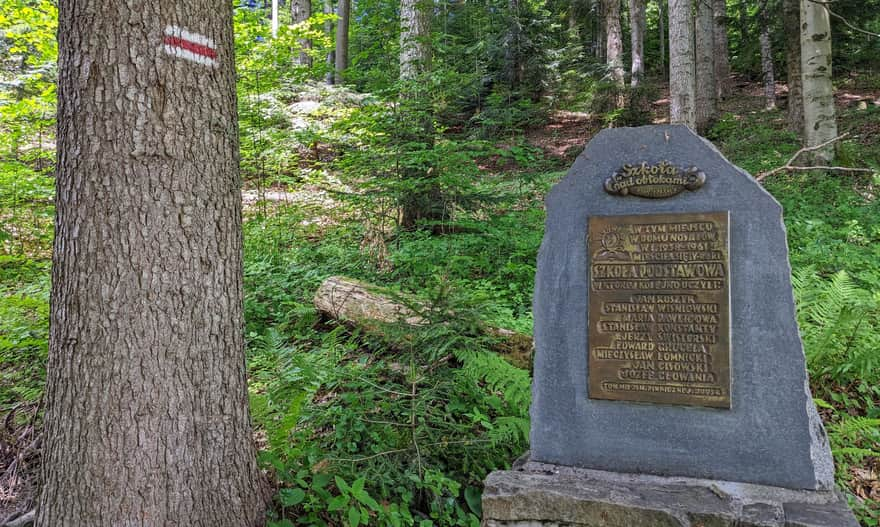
x,y
682,86
820,123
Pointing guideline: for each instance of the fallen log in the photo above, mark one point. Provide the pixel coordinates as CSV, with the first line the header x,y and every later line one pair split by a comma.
x,y
369,306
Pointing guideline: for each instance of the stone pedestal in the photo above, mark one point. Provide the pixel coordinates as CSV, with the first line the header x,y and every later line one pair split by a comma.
x,y
537,495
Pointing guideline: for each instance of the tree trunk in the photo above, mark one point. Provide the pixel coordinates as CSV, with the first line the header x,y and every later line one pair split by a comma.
x,y
614,42
512,45
331,55
300,11
722,52
820,124
415,38
767,72
705,104
602,31
343,8
147,418
661,25
682,86
370,307
274,18
637,24
791,23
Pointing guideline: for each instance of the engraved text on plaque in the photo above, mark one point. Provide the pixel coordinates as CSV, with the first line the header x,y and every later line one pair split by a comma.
x,y
659,310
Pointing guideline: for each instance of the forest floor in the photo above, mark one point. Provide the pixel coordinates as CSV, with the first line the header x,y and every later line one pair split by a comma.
x,y
314,385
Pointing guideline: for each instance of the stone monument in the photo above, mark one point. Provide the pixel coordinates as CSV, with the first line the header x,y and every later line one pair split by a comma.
x,y
669,386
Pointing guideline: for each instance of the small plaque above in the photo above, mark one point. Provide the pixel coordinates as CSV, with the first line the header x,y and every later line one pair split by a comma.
x,y
662,180
659,308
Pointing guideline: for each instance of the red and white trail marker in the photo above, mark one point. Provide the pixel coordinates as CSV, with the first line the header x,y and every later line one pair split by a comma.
x,y
190,46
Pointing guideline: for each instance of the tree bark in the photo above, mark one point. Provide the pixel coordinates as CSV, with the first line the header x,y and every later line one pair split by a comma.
x,y
791,22
370,307
331,55
300,11
722,51
147,419
637,24
661,26
512,45
820,123
682,85
415,38
768,74
706,89
614,42
343,8
601,33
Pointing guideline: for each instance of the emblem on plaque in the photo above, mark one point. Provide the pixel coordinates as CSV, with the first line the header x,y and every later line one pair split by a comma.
x,y
662,180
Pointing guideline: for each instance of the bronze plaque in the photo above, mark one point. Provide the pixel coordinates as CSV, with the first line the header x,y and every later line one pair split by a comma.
x,y
662,180
659,320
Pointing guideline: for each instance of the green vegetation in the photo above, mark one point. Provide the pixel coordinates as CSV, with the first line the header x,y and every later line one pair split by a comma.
x,y
399,427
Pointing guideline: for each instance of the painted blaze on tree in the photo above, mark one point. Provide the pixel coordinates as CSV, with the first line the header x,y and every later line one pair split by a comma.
x,y
147,412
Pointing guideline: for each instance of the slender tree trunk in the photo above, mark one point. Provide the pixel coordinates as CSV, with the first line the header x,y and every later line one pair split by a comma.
x,y
274,18
792,24
820,123
682,85
300,11
637,24
661,25
722,52
769,76
424,203
343,8
512,45
331,55
602,33
706,90
147,419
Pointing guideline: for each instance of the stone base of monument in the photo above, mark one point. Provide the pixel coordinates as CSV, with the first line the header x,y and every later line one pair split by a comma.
x,y
537,495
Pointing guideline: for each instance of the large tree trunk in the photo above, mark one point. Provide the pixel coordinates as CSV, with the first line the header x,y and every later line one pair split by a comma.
x,y
722,53
147,418
820,123
792,24
682,86
637,24
706,94
415,38
767,72
601,31
300,11
343,10
331,55
370,307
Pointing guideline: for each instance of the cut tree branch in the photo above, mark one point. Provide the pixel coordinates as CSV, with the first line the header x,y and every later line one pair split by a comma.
x,y
788,167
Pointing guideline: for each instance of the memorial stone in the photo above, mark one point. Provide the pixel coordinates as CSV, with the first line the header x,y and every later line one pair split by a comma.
x,y
668,361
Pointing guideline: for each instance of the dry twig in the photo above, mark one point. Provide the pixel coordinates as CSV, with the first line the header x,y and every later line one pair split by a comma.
x,y
788,167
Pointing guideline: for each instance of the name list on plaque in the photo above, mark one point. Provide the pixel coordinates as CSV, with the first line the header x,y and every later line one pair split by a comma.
x,y
659,308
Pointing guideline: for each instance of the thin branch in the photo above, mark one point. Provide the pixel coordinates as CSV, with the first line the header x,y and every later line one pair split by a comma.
x,y
843,19
788,167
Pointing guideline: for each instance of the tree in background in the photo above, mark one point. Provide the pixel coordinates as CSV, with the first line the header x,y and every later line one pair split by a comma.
x,y
792,26
637,24
614,41
147,418
705,105
300,11
820,123
682,85
722,60
343,11
767,73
